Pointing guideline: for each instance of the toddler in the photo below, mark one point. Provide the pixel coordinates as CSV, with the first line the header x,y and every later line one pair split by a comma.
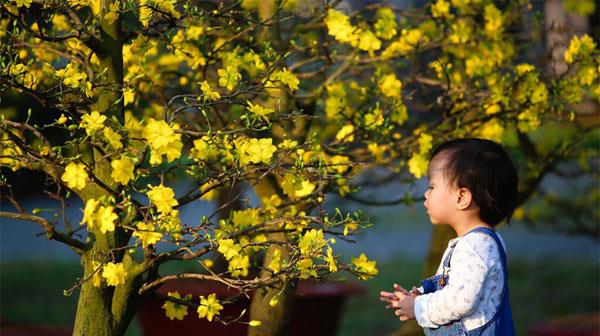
x,y
472,188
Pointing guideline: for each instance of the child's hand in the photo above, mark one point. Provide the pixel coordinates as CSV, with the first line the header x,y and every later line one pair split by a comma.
x,y
405,308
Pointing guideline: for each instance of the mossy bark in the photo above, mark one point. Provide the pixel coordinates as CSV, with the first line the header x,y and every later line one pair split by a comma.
x,y
106,310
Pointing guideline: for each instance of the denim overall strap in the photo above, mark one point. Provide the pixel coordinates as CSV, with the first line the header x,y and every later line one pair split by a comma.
x,y
501,324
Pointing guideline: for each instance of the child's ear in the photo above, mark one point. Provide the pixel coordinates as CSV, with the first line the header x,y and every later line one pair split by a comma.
x,y
464,198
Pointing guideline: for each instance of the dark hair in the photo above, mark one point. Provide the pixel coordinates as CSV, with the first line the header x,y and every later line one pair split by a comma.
x,y
483,167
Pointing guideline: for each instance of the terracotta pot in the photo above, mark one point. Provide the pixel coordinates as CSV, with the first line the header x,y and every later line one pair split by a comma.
x,y
316,310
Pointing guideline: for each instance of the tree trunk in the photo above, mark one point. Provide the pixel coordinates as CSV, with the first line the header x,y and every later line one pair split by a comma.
x,y
106,310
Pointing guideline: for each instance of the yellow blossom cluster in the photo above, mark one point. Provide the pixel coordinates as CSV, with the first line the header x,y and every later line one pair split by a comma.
x,y
163,140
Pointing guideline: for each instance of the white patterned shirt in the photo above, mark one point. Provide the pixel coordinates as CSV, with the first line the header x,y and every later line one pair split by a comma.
x,y
474,289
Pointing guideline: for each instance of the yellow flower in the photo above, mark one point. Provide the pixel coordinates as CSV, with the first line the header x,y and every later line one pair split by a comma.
x,y
254,150
345,133
89,213
425,144
146,233
440,9
114,274
97,277
255,323
259,110
75,176
71,76
106,218
209,307
162,140
114,138
228,248
367,41
338,26
122,170
524,68
417,165
92,122
331,260
275,264
493,21
113,12
385,27
288,78
312,242
491,130
305,266
238,265
62,120
163,198
209,93
579,47
391,86
295,186
229,77
175,310
367,268
25,3
374,119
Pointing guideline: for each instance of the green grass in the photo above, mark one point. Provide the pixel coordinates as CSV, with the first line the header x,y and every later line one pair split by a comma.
x,y
33,293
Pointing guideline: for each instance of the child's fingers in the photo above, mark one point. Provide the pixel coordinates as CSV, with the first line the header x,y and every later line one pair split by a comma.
x,y
399,288
415,291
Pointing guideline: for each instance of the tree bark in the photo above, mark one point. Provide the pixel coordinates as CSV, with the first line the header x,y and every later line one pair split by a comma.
x,y
106,310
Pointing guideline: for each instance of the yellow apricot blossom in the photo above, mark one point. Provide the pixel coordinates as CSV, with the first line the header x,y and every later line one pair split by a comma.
x,y
312,243
122,170
163,198
162,140
147,234
390,86
114,138
259,110
385,26
229,77
417,165
92,122
288,78
296,186
105,218
208,93
238,265
228,248
440,9
275,263
331,260
75,176
345,133
209,307
89,213
114,273
174,310
339,26
254,150
366,268
579,46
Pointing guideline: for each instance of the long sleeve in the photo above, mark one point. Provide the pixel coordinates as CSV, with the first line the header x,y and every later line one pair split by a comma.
x,y
468,272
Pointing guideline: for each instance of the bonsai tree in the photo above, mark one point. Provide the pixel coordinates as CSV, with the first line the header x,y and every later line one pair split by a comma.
x,y
283,100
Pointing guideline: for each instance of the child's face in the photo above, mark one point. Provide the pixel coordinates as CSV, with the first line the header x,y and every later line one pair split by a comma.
x,y
440,195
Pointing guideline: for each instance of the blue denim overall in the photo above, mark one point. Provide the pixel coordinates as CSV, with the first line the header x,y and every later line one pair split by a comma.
x,y
500,325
